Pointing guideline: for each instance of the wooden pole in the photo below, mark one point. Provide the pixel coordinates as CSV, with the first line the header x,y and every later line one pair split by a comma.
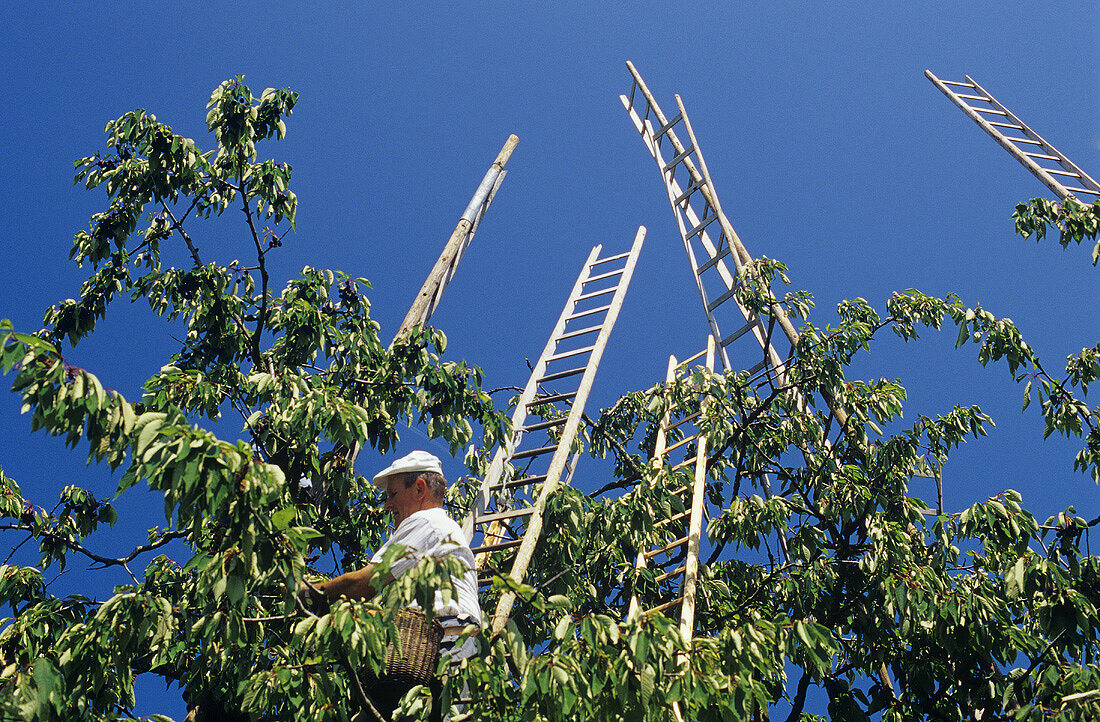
x,y
428,298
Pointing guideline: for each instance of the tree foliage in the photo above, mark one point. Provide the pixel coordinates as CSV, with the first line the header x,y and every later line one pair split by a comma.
x,y
873,603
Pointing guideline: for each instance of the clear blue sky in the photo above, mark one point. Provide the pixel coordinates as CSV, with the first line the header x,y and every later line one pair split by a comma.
x,y
828,147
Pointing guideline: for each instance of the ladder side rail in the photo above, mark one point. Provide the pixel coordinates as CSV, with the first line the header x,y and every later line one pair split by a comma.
x,y
707,189
695,526
1063,161
646,94
1037,170
427,300
568,433
519,416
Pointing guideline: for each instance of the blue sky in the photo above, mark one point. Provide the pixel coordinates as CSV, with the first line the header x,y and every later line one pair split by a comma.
x,y
828,147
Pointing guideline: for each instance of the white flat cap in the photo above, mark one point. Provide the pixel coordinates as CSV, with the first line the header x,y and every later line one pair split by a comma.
x,y
416,461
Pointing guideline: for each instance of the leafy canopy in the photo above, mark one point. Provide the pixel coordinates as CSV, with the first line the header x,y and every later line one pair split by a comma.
x,y
872,605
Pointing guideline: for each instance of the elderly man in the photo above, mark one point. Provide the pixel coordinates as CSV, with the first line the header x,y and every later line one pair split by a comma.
x,y
415,489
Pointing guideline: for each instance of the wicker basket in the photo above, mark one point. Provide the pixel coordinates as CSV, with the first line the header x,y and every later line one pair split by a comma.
x,y
419,648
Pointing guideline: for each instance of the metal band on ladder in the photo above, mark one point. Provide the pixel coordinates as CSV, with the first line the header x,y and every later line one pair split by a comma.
x,y
511,495
1041,158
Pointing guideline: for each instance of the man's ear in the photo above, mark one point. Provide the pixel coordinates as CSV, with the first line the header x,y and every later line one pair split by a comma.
x,y
421,487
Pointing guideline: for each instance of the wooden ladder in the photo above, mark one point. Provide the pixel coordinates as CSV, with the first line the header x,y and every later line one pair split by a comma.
x,y
712,245
508,511
427,300
679,453
1056,171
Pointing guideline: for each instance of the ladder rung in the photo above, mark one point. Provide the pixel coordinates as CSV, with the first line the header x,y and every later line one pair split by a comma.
x,y
579,332
518,482
683,364
668,126
545,424
758,366
955,82
674,517
699,228
684,420
666,605
589,312
678,570
681,442
665,548
1083,190
718,301
594,294
715,258
972,97
539,400
602,276
1052,171
677,158
1005,125
1042,156
991,111
692,187
504,515
609,259
1023,140
532,453
570,354
737,334
685,462
563,374
495,547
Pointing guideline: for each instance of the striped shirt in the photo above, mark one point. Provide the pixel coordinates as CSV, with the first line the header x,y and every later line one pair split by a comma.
x,y
430,532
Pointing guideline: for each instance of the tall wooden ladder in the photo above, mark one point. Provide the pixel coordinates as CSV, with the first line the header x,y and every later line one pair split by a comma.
x,y
711,245
679,452
508,511
1050,166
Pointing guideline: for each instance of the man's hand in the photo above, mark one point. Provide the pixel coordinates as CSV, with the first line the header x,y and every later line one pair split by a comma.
x,y
311,595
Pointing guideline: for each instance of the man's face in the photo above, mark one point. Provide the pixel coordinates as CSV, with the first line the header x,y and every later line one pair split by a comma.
x,y
402,500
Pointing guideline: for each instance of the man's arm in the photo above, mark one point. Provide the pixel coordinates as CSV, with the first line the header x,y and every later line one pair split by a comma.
x,y
359,584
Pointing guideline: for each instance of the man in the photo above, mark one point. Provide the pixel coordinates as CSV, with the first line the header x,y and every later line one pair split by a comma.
x,y
415,489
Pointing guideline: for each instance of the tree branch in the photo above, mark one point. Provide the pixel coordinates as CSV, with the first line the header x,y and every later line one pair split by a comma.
x,y
105,561
177,225
261,317
799,698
